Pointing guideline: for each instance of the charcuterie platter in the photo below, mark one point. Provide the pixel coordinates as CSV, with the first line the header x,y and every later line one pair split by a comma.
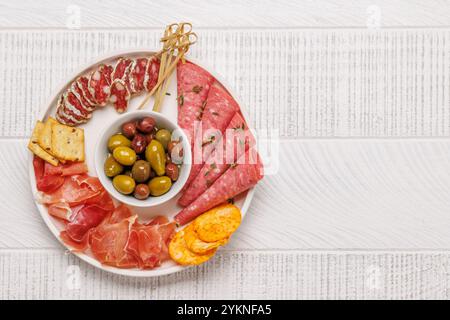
x,y
143,191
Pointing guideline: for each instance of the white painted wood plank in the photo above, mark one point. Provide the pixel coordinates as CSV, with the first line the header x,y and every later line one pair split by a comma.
x,y
224,13
345,83
327,194
52,274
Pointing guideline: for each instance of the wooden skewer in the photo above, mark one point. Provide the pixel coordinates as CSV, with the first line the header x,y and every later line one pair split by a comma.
x,y
169,71
175,38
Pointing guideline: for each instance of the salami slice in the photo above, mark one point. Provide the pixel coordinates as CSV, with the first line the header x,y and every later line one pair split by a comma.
x,y
237,139
60,115
67,118
238,178
151,73
120,95
79,101
75,89
99,83
216,115
83,84
193,85
73,107
123,70
120,68
137,75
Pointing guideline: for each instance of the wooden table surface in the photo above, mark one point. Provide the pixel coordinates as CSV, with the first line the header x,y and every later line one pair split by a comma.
x,y
360,94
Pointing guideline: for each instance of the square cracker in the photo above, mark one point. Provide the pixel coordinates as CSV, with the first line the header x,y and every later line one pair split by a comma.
x,y
34,146
45,137
67,142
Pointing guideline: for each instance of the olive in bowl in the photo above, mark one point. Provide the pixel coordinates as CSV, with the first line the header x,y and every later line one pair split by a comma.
x,y
133,159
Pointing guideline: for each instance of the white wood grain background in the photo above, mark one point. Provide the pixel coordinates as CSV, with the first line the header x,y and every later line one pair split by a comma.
x,y
360,207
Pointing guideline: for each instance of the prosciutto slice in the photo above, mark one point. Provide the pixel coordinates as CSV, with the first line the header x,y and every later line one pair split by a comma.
x,y
236,141
67,169
238,178
193,84
149,243
75,190
45,183
108,243
84,219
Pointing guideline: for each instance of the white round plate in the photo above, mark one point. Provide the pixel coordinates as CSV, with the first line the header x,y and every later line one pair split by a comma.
x,y
102,118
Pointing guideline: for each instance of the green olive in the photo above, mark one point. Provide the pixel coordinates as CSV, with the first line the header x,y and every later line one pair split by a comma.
x,y
118,140
124,184
159,185
112,167
141,171
124,155
164,136
156,156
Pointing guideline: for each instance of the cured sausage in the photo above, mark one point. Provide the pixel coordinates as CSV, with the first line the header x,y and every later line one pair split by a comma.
x,y
151,73
120,95
120,68
74,107
137,75
83,84
86,93
193,84
99,83
63,114
217,114
238,178
236,140
79,94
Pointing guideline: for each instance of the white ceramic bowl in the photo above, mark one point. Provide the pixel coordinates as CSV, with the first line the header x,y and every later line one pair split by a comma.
x,y
101,153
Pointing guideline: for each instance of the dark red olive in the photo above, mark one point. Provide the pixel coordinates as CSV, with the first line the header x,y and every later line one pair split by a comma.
x,y
129,129
139,143
149,136
172,171
146,124
141,191
152,174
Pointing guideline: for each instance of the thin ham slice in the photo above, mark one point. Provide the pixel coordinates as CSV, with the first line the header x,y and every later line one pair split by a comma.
x,y
75,190
120,213
45,183
236,141
76,246
193,84
108,243
67,169
217,114
60,210
238,178
149,243
86,218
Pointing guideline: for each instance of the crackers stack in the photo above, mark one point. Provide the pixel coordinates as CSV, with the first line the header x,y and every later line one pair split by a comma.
x,y
55,142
